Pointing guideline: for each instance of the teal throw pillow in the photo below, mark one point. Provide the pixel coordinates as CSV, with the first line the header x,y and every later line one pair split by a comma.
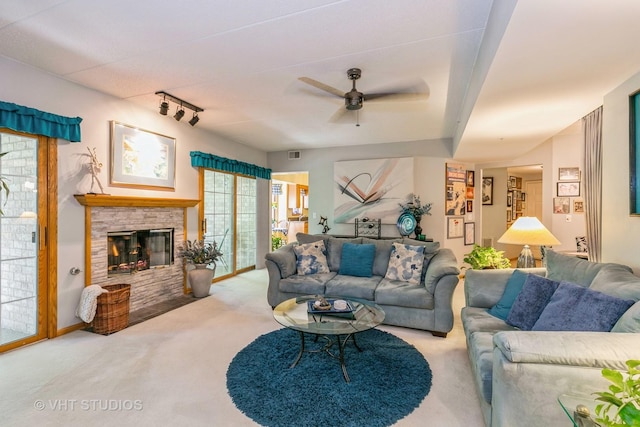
x,y
511,291
531,301
357,259
576,308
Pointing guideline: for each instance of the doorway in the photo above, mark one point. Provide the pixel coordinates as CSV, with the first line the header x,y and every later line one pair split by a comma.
x,y
289,207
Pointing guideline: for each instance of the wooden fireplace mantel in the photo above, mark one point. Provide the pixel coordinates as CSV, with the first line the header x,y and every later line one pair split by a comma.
x,y
107,200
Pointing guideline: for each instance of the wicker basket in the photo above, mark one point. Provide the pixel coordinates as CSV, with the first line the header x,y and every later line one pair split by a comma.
x,y
112,313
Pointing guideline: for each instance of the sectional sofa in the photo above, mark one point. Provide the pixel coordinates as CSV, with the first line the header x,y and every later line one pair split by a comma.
x,y
423,305
520,374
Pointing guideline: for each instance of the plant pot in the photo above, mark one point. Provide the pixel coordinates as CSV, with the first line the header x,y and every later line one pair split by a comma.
x,y
200,280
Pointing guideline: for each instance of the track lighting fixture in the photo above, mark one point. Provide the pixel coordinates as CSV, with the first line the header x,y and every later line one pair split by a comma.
x,y
179,114
181,105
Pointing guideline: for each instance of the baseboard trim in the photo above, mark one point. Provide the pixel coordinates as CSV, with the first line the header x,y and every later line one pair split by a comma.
x,y
71,328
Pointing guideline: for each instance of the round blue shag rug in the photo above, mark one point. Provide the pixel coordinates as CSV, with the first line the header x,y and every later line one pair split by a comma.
x,y
389,379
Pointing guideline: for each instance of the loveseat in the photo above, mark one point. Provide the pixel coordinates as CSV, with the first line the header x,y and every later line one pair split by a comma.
x,y
520,374
425,304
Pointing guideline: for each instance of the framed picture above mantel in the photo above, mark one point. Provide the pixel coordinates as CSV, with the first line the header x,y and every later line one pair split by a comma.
x,y
142,159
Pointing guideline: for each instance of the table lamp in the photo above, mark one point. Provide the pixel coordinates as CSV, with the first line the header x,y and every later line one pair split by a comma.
x,y
528,230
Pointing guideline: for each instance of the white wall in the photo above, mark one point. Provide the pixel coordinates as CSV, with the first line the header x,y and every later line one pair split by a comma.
x,y
620,231
29,87
429,157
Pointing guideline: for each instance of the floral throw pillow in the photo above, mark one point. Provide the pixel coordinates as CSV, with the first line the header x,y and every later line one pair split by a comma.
x,y
405,263
311,258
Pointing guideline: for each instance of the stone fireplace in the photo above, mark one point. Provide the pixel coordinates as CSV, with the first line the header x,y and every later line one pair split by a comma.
x,y
114,215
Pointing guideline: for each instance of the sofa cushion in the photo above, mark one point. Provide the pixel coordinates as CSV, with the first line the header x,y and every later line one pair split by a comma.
x,y
351,286
383,252
311,258
431,249
616,280
511,291
303,238
576,308
405,263
573,269
403,294
476,319
357,259
630,320
531,301
481,356
334,250
311,284
285,259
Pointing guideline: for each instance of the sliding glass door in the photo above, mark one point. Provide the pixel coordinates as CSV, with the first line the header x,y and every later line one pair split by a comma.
x,y
229,218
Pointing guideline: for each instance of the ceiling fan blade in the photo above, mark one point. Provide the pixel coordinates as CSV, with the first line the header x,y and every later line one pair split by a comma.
x,y
399,96
322,86
339,116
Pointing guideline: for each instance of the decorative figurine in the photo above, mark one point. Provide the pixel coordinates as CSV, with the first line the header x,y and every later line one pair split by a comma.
x,y
94,167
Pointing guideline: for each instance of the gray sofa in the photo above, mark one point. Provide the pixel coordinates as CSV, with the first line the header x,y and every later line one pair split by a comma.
x,y
424,306
519,374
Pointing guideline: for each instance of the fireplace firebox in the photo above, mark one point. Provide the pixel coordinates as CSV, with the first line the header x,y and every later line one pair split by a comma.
x,y
131,251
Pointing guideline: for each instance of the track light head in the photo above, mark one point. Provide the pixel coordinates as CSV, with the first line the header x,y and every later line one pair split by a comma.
x,y
194,119
179,114
164,108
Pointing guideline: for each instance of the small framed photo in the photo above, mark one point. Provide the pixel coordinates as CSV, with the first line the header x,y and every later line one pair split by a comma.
x,y
512,182
509,198
561,205
471,178
568,189
578,206
455,227
469,233
519,183
569,174
523,197
487,190
470,192
469,206
509,215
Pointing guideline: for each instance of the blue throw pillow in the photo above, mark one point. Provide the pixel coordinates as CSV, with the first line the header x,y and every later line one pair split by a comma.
x,y
511,291
576,308
357,259
531,301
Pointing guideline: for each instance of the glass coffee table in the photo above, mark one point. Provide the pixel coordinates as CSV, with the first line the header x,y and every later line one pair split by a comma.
x,y
334,326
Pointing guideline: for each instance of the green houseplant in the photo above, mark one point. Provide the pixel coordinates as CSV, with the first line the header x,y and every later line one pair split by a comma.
x,y
486,257
621,402
201,255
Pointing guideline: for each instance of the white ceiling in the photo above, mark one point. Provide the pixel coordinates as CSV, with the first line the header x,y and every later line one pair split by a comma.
x,y
503,76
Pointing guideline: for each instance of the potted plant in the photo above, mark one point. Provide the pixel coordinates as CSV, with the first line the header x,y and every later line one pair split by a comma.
x,y
415,207
486,257
621,403
201,255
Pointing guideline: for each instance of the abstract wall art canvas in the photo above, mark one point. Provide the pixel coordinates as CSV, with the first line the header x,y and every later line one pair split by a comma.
x,y
371,188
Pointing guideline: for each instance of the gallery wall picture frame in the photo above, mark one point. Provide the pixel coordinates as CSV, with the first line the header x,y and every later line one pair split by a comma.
x,y
456,189
141,158
455,227
509,215
487,190
569,174
469,233
512,182
578,205
471,178
561,205
509,198
568,189
469,206
518,183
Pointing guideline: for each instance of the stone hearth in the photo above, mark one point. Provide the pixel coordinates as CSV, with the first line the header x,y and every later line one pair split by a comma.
x,y
104,213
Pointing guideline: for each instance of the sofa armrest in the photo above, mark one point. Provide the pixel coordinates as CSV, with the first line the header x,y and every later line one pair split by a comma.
x,y
285,259
484,288
442,264
587,349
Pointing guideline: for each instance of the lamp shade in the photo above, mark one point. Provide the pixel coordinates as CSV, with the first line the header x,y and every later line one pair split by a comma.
x,y
528,230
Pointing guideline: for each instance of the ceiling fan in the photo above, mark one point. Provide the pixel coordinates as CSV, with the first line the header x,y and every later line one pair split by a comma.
x,y
354,99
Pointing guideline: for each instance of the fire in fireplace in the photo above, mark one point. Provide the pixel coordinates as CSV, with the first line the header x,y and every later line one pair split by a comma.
x,y
131,251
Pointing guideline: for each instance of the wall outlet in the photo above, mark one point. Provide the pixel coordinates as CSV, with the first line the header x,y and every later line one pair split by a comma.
x,y
567,218
315,215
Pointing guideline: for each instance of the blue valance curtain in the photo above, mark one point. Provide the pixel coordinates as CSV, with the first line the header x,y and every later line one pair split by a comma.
x,y
36,122
199,159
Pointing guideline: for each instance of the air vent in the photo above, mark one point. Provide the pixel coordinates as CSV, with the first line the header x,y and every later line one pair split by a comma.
x,y
294,155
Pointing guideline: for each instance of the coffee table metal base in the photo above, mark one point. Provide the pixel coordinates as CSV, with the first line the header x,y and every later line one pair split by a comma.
x,y
331,340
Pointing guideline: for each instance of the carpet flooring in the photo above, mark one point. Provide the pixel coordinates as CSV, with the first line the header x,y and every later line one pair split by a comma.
x,y
171,369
